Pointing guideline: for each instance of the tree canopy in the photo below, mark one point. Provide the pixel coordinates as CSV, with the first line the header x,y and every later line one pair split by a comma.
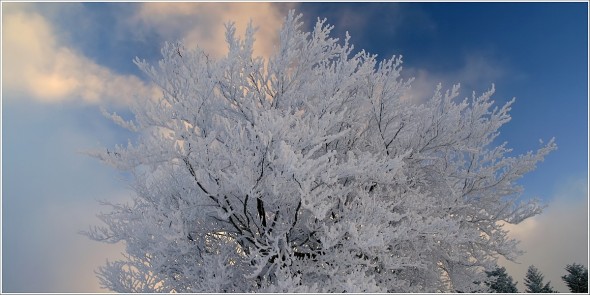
x,y
534,282
577,278
312,171
500,282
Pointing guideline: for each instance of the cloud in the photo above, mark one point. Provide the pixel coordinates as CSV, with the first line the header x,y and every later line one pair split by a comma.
x,y
555,238
36,65
477,74
39,64
202,24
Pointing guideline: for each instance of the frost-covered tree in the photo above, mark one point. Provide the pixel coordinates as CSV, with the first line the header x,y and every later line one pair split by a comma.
x,y
500,282
577,278
533,282
311,171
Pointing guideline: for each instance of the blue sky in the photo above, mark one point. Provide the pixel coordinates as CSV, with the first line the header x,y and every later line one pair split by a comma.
x,y
61,61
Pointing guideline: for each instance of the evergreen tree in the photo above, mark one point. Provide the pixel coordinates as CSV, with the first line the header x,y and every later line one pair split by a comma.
x,y
534,282
500,281
577,278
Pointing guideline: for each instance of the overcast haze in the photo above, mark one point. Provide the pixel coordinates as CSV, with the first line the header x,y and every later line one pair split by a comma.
x,y
61,61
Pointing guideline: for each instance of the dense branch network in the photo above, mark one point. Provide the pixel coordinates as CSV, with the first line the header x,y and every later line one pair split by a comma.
x,y
310,172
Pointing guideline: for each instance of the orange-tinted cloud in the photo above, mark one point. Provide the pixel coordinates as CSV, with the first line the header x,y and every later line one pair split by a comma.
x,y
37,66
202,24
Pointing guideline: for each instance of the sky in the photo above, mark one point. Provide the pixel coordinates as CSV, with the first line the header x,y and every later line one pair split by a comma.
x,y
62,62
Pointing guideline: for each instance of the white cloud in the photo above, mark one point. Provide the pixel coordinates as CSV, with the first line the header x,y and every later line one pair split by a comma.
x,y
555,238
477,74
36,65
202,24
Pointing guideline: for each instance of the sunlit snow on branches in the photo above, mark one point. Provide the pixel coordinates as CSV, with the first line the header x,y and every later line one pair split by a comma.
x,y
308,172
